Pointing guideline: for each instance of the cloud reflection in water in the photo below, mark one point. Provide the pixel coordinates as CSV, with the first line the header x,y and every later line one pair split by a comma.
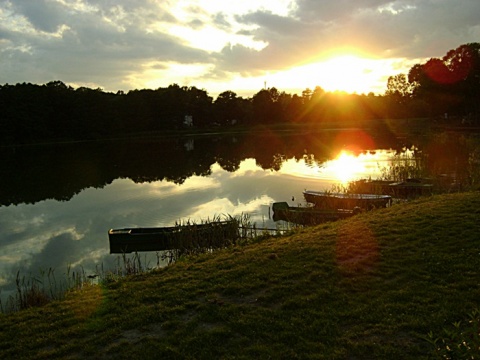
x,y
59,234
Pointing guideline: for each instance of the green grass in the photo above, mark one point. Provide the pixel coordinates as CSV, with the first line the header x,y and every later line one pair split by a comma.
x,y
396,283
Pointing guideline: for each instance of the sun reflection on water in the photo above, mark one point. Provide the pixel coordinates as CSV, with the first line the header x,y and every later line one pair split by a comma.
x,y
345,167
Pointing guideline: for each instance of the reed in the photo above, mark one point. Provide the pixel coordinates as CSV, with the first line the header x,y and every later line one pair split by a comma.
x,y
399,283
407,164
38,290
216,233
212,234
194,238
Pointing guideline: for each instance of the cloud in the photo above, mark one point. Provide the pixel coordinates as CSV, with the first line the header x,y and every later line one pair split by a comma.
x,y
42,15
402,27
383,28
91,44
114,44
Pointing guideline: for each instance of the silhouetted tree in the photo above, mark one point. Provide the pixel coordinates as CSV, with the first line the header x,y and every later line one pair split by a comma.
x,y
264,103
199,105
450,84
55,111
229,108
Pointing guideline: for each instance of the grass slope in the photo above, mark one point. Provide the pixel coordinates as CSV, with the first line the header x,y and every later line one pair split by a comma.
x,y
370,287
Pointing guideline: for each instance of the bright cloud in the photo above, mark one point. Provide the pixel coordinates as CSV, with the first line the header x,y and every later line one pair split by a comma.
x,y
220,45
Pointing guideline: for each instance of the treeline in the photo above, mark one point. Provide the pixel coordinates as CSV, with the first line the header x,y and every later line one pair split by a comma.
x,y
440,87
55,111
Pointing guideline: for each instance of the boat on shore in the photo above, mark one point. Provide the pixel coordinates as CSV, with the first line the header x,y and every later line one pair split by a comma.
x,y
326,200
308,215
206,235
409,188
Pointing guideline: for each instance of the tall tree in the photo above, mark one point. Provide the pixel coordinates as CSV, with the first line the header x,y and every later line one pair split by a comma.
x,y
264,105
399,86
450,84
229,108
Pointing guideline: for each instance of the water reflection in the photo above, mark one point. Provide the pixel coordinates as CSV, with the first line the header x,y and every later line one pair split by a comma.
x,y
32,174
343,168
348,167
58,234
60,201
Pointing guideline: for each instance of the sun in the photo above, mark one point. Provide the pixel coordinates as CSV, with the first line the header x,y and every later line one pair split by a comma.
x,y
347,73
342,72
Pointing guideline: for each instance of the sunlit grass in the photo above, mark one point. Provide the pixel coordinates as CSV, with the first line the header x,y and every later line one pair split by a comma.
x,y
384,285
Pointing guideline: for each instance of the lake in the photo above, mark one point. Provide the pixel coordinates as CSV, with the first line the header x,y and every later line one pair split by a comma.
x,y
57,202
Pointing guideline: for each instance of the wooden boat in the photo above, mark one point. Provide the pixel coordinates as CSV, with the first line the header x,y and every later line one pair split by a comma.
x,y
410,189
399,189
208,235
308,215
381,187
326,200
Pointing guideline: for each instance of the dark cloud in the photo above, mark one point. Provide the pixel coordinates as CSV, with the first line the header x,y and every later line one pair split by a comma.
x,y
404,28
106,41
90,49
221,21
332,11
289,42
44,15
272,24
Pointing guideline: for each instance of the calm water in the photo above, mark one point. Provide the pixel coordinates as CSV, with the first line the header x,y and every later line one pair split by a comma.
x,y
58,202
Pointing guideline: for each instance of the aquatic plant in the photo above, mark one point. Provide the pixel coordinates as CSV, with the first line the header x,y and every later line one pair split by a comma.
x,y
38,290
406,164
211,234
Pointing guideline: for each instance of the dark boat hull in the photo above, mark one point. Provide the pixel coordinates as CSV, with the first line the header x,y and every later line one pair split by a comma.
x,y
325,200
403,189
207,235
307,215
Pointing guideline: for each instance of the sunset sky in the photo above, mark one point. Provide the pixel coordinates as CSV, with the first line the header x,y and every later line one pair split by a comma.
x,y
218,45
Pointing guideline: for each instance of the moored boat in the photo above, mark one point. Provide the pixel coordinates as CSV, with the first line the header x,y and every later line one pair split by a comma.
x,y
205,235
308,215
326,200
409,188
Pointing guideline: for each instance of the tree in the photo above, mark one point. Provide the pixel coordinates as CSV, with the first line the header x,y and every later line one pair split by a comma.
x,y
264,105
199,105
306,96
399,86
450,84
398,95
228,108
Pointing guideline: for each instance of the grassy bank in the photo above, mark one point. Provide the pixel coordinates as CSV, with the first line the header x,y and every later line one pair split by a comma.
x,y
381,285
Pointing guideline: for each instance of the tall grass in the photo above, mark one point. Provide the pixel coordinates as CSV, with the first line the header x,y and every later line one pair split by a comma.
x,y
407,164
415,164
399,283
219,232
38,290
